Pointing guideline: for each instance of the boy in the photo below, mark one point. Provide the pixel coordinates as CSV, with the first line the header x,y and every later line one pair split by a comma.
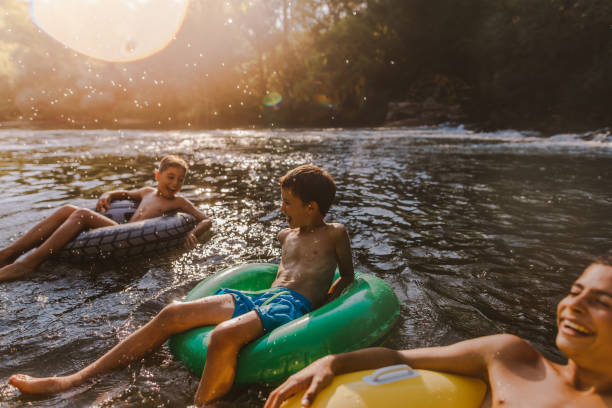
x,y
516,373
66,223
311,250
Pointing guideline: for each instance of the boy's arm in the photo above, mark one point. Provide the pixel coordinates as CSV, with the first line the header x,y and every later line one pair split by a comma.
x,y
471,357
105,199
203,225
345,262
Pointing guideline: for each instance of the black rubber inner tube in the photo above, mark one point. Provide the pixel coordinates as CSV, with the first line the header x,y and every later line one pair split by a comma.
x,y
129,239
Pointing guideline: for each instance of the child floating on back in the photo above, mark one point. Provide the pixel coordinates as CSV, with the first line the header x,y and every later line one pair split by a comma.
x,y
57,230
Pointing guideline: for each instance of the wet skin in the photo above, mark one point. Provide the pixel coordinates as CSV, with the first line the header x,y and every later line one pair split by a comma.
x,y
231,334
54,232
516,373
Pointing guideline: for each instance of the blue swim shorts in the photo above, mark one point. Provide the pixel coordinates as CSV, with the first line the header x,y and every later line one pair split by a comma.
x,y
275,306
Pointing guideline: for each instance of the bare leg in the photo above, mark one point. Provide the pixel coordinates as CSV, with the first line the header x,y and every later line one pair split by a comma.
x,y
77,221
174,318
226,340
36,235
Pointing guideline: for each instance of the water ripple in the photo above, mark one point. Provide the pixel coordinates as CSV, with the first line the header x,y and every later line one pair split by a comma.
x,y
477,233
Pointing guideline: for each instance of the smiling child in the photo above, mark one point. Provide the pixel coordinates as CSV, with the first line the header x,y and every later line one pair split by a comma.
x,y
59,228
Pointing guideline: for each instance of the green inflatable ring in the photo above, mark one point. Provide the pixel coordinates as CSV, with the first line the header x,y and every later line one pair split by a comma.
x,y
360,317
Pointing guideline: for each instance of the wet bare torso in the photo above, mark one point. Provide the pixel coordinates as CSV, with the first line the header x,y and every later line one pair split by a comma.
x,y
533,381
308,261
154,205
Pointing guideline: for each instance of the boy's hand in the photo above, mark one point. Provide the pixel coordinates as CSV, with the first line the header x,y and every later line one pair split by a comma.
x,y
313,379
191,240
103,203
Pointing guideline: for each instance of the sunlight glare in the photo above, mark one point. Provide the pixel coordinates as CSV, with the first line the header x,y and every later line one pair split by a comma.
x,y
111,30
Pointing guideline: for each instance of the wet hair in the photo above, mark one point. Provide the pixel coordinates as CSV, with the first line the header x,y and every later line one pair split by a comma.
x,y
311,183
172,161
604,259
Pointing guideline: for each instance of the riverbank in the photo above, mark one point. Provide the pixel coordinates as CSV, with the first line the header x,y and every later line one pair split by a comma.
x,y
553,125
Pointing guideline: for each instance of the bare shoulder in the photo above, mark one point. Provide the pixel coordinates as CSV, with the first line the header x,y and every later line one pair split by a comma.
x,y
145,191
510,348
336,230
140,193
282,235
182,201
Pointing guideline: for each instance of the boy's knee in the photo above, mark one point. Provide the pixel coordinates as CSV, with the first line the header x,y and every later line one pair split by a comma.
x,y
169,315
68,209
82,214
224,334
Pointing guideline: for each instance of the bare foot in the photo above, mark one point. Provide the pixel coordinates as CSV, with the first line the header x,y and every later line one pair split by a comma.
x,y
14,271
32,385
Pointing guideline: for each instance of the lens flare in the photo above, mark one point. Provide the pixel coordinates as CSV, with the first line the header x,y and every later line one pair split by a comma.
x,y
272,99
323,100
111,30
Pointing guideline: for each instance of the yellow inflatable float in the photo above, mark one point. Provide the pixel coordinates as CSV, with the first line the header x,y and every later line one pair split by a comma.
x,y
398,386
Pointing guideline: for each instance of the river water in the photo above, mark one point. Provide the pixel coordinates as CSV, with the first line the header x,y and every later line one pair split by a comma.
x,y
478,233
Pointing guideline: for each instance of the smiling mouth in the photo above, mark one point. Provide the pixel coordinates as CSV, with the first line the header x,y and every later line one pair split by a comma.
x,y
576,328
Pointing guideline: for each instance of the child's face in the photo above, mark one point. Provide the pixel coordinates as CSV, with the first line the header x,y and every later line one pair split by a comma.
x,y
294,209
170,181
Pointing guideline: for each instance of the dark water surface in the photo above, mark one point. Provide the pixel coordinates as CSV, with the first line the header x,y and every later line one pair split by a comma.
x,y
477,234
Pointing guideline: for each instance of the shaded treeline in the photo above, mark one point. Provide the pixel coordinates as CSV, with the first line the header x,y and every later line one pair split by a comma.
x,y
505,63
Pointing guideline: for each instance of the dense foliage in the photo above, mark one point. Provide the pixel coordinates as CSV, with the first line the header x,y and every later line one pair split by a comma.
x,y
499,63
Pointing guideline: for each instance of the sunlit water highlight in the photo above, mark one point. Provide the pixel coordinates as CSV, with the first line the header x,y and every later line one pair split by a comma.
x,y
477,234
111,30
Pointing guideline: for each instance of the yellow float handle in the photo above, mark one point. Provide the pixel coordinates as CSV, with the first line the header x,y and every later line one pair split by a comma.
x,y
390,374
